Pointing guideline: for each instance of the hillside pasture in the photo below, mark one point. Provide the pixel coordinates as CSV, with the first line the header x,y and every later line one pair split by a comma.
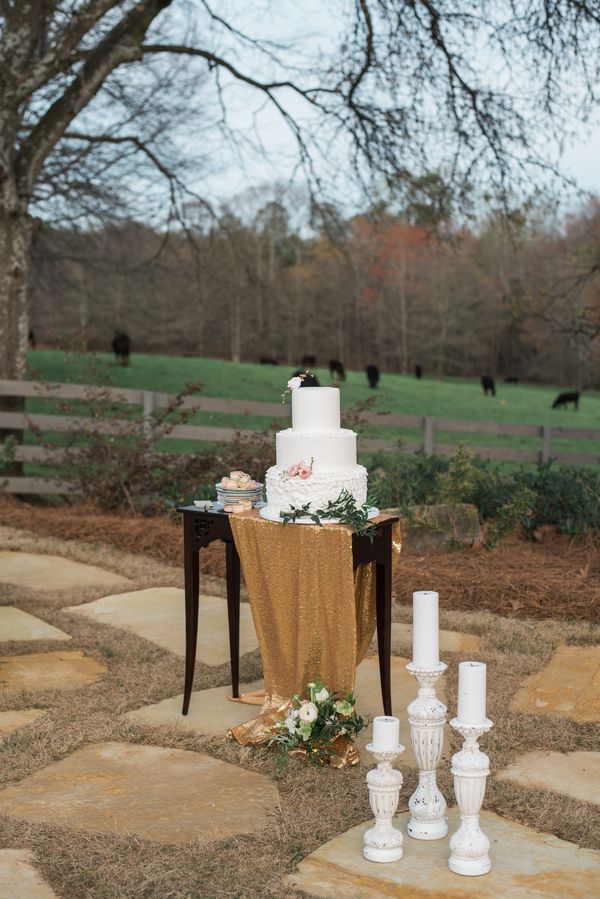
x,y
436,397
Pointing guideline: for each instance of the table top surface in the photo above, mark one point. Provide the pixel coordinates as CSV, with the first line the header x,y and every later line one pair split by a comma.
x,y
382,518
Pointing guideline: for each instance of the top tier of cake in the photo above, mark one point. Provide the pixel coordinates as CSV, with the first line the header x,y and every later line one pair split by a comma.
x,y
316,410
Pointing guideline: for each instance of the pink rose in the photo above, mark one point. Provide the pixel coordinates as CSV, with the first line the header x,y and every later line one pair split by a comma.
x,y
304,473
293,470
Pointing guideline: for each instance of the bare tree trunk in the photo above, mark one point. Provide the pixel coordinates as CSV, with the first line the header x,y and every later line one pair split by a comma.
x,y
15,244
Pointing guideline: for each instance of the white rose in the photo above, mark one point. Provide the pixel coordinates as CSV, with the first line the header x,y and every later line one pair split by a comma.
x,y
308,712
294,383
322,695
290,723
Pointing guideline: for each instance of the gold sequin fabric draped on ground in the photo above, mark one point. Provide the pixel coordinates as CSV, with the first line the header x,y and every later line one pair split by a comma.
x,y
314,615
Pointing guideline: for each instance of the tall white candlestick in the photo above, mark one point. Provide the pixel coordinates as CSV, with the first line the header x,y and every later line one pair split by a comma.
x,y
471,693
386,733
426,637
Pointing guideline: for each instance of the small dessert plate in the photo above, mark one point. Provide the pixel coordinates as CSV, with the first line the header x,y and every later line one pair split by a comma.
x,y
203,504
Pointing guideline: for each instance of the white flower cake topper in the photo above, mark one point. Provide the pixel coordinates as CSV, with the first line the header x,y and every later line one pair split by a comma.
x,y
293,384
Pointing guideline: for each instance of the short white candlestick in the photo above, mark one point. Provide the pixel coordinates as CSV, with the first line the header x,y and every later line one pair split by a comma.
x,y
383,842
469,846
427,717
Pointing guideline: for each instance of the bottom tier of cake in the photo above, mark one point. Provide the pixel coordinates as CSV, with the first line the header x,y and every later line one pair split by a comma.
x,y
321,488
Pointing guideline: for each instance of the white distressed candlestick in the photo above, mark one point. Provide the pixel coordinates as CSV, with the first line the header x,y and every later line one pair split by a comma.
x,y
469,846
383,841
427,717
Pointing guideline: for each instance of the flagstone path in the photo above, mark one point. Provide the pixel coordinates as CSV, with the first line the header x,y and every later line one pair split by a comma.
x,y
568,687
18,877
575,774
158,615
42,572
49,670
211,713
525,864
14,719
18,625
167,795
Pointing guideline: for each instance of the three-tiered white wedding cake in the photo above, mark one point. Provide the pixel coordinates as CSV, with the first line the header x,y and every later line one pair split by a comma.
x,y
316,458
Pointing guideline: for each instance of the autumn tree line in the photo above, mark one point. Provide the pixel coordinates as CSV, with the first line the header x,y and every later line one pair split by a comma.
x,y
511,296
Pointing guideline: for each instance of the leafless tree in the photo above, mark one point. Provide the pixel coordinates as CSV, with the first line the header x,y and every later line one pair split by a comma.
x,y
467,87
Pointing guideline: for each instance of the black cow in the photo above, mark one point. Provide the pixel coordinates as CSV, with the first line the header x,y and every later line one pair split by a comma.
x,y
418,372
31,339
372,375
309,380
308,361
121,346
488,385
511,380
336,369
563,399
267,360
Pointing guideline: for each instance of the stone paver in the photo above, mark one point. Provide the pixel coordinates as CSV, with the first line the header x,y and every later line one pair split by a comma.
x,y
450,641
15,719
158,615
15,624
568,687
211,713
525,864
404,689
49,670
41,572
167,795
18,877
575,774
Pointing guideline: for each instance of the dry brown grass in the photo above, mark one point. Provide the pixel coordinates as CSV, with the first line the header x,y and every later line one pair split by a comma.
x,y
316,804
557,578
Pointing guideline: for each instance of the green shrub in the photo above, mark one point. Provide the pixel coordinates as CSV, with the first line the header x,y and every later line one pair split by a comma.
x,y
565,497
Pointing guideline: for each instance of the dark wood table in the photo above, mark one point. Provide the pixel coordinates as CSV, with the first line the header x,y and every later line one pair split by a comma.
x,y
201,527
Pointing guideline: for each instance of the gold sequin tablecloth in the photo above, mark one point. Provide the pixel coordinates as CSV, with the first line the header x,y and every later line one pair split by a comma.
x,y
314,615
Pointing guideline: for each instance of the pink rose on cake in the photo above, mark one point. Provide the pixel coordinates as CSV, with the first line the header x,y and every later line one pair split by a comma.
x,y
299,470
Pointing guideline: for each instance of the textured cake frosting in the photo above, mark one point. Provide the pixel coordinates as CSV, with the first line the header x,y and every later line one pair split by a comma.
x,y
327,450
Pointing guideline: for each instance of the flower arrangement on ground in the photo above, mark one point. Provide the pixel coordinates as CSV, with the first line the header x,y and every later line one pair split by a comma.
x,y
313,725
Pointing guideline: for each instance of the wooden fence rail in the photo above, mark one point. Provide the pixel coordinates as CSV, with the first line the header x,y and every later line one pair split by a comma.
x,y
151,401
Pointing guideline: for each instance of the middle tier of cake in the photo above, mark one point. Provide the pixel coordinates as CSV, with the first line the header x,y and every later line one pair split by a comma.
x,y
329,451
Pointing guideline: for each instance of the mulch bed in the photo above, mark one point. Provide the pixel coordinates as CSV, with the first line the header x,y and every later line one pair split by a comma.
x,y
556,578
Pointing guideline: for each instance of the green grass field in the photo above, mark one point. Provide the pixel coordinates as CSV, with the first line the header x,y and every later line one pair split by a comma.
x,y
450,398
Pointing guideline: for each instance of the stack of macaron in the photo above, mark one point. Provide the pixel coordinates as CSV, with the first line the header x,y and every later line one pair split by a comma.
x,y
239,492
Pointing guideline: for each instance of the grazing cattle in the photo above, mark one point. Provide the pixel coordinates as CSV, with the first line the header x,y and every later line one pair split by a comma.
x,y
309,380
307,361
488,385
336,369
267,360
372,375
121,346
418,372
31,339
511,380
563,399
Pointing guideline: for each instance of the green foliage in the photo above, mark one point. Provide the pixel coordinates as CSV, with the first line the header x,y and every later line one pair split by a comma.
x,y
7,452
567,498
344,509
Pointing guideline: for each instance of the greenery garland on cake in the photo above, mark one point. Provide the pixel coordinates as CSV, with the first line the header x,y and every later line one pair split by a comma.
x,y
344,509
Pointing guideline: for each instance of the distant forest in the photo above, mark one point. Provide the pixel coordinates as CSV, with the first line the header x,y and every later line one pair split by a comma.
x,y
515,296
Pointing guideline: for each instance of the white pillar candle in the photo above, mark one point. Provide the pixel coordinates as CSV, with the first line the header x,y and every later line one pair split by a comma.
x,y
471,693
426,636
386,733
